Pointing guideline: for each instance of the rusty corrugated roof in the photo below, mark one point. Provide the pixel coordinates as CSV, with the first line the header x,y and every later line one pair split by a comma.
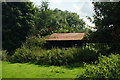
x,y
66,36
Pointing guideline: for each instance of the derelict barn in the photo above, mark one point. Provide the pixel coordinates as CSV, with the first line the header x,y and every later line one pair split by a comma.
x,y
66,39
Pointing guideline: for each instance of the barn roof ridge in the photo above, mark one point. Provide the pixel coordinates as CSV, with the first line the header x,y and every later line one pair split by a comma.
x,y
66,36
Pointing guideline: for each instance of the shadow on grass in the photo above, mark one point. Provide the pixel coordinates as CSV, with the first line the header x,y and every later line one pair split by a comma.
x,y
68,66
38,79
74,65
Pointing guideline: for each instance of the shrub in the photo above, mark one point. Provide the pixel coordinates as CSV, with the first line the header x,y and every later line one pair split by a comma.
x,y
21,55
33,50
54,56
106,67
35,41
85,55
60,56
0,55
4,55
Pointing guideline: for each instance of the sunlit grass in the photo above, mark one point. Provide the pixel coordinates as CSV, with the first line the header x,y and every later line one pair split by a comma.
x,y
27,70
0,69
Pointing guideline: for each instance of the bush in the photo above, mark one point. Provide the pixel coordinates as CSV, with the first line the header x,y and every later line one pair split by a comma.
x,y
85,55
21,55
106,67
0,55
35,41
4,55
54,56
33,50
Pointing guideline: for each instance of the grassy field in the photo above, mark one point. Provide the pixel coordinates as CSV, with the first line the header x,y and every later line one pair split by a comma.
x,y
26,70
0,69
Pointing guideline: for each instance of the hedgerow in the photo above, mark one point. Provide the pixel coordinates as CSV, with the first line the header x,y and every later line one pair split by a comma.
x,y
54,56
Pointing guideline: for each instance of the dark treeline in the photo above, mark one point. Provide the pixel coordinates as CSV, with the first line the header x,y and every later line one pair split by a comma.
x,y
23,19
107,23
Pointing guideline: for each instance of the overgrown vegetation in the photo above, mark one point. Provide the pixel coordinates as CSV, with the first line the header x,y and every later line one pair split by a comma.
x,y
28,20
106,67
4,55
55,56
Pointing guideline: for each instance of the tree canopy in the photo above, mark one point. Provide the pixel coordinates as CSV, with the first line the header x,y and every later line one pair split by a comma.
x,y
17,22
57,21
107,21
23,19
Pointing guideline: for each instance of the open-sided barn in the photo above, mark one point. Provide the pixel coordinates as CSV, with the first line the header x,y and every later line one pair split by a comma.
x,y
66,39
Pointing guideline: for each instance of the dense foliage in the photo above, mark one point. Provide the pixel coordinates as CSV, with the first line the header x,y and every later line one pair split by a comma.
x,y
105,48
4,55
17,22
35,41
106,67
57,21
106,19
36,53
54,56
107,23
23,19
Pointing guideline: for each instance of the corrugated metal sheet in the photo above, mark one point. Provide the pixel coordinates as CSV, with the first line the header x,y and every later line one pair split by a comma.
x,y
66,36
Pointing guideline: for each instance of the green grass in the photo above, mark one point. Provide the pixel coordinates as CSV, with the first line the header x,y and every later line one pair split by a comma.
x,y
27,70
0,69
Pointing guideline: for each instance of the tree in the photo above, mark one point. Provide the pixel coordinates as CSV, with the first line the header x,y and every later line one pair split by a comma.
x,y
17,22
107,21
57,21
44,5
43,17
68,22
